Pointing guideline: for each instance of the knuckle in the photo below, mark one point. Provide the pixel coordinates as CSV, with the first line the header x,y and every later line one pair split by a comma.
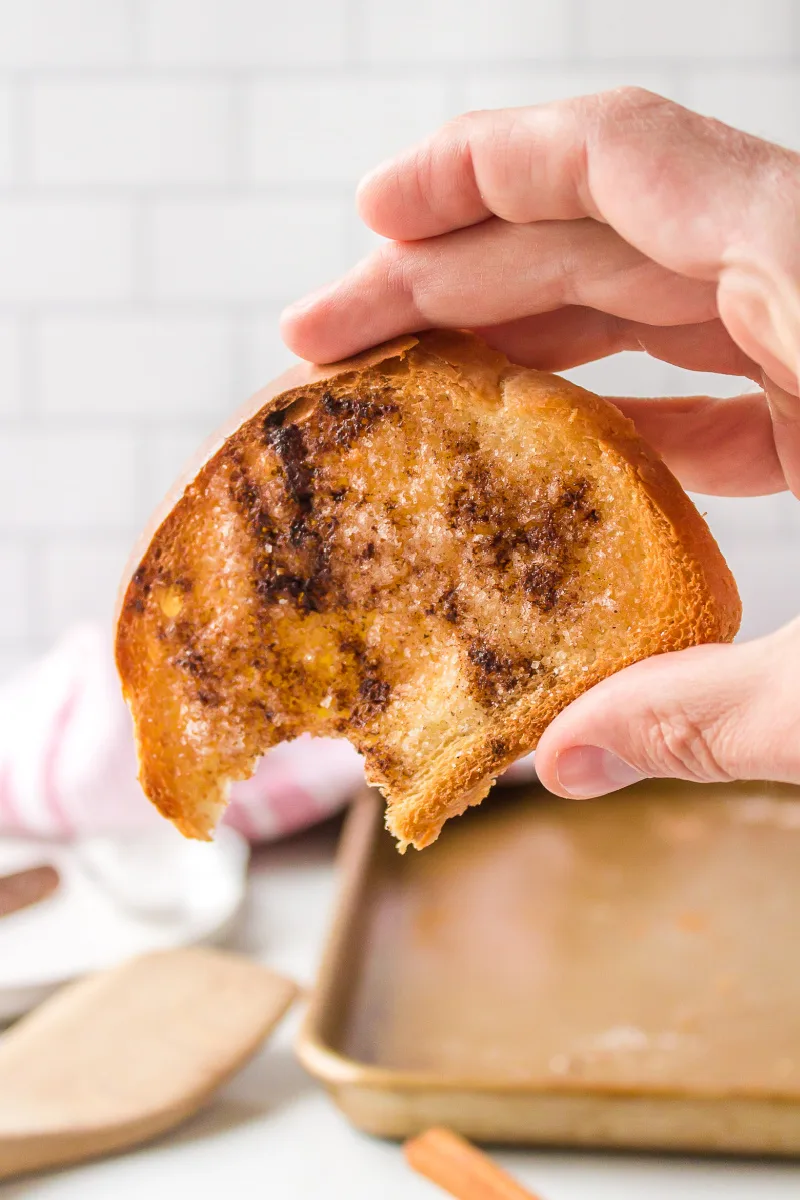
x,y
468,126
415,183
481,135
409,274
632,97
676,744
633,107
500,149
473,118
394,266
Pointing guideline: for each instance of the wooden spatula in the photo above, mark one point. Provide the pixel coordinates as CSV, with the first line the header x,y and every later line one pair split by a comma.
x,y
117,1058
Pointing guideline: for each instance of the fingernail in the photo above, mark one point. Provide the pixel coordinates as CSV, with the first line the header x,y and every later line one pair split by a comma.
x,y
585,771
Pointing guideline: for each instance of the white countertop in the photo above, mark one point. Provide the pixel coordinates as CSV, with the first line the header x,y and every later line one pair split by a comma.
x,y
273,1133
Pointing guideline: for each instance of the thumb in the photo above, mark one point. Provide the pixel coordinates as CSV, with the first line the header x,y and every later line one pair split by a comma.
x,y
708,714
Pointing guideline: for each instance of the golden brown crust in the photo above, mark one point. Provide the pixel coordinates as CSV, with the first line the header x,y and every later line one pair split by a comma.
x,y
430,530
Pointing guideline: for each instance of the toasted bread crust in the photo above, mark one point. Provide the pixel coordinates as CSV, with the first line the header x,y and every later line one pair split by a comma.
x,y
532,582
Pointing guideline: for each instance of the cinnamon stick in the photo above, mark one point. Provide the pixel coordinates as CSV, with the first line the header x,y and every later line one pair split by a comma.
x,y
461,1169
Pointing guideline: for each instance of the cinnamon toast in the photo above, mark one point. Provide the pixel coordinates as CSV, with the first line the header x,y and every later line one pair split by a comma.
x,y
427,550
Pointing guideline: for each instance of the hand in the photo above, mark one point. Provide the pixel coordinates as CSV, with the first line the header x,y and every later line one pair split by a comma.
x,y
571,231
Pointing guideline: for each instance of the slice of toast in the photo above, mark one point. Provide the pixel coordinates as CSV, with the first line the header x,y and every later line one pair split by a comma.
x,y
426,550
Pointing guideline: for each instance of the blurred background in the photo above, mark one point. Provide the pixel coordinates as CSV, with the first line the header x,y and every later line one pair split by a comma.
x,y
173,171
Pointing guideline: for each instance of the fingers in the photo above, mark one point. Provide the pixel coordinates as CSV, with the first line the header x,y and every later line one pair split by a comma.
x,y
763,317
592,156
489,274
699,198
521,164
785,415
709,714
572,335
479,165
714,447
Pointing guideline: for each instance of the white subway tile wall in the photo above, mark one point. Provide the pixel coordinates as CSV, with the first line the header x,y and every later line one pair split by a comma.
x,y
141,368
64,479
65,250
173,171
217,34
165,452
466,31
690,30
333,131
119,132
263,354
65,33
244,249
72,579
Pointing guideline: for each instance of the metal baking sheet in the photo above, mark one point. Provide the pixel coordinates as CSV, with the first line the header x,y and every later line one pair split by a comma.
x,y
620,972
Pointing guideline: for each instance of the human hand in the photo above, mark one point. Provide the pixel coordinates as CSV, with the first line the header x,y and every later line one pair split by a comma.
x,y
568,232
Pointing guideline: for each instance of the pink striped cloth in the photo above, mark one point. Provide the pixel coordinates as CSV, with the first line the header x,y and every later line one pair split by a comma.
x,y
68,766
